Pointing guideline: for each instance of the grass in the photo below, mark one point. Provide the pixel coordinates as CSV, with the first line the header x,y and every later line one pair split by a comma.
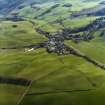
x,y
56,73
18,34
61,77
57,80
92,49
10,94
78,22
95,97
52,75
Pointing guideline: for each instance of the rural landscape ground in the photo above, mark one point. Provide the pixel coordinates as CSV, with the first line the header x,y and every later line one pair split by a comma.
x,y
52,52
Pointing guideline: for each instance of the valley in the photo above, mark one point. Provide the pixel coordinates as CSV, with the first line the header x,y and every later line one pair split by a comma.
x,y
52,52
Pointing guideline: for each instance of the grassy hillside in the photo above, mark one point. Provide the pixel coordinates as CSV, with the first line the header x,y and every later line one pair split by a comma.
x,y
56,78
94,49
18,34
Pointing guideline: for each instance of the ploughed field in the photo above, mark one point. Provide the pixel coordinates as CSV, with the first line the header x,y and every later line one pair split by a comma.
x,y
53,53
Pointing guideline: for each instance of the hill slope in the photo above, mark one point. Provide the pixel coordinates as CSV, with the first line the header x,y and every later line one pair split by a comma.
x,y
52,52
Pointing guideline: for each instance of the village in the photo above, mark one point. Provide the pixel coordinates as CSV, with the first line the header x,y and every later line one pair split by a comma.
x,y
55,40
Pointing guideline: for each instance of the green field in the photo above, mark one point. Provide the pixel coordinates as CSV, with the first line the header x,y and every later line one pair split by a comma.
x,y
56,79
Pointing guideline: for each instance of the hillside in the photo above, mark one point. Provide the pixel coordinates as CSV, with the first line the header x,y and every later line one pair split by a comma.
x,y
52,52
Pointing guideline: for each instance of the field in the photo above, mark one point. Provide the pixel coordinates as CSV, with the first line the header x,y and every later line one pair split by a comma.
x,y
55,78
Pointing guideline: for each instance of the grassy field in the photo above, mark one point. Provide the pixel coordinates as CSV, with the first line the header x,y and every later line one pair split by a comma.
x,y
93,49
56,79
18,34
